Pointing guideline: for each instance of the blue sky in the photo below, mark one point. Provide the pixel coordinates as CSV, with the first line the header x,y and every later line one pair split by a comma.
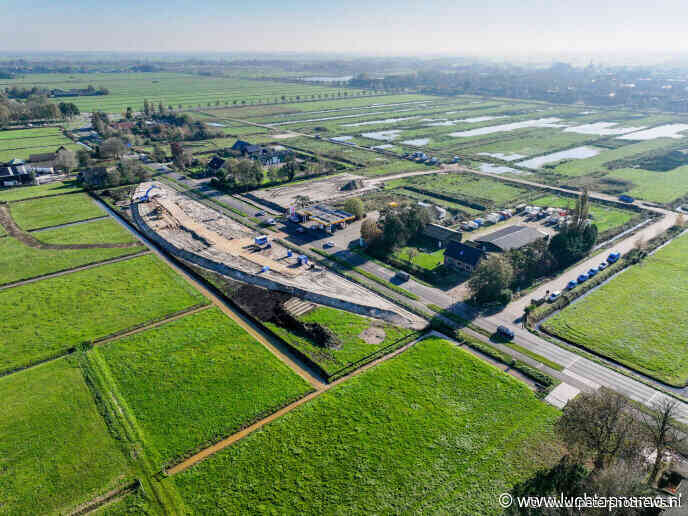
x,y
460,27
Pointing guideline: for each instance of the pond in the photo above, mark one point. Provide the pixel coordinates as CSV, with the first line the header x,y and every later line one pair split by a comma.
x,y
575,153
383,135
417,141
384,121
540,122
497,169
601,129
663,131
503,157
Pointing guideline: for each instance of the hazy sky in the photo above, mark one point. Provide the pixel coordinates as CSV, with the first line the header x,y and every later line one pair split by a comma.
x,y
458,27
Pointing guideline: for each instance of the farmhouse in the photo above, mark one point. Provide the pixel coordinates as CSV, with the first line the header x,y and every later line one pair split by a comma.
x,y
463,256
266,155
466,256
46,159
440,234
512,237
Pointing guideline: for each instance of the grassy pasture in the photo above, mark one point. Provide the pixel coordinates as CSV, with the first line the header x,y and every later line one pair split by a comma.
x,y
30,192
19,262
434,430
464,186
662,187
189,90
53,211
639,318
348,328
223,379
48,317
56,450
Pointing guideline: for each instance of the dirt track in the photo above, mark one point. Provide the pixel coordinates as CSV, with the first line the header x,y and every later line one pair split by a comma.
x,y
13,230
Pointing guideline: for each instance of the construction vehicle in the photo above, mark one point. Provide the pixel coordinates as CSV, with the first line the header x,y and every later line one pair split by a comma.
x,y
146,197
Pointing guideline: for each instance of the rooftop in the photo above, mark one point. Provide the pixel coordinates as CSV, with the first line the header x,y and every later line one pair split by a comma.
x,y
512,237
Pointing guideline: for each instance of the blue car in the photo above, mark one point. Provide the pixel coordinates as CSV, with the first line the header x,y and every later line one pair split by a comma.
x,y
592,272
582,278
571,285
613,257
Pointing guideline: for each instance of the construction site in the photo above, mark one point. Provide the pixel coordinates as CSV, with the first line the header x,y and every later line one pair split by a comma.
x,y
198,234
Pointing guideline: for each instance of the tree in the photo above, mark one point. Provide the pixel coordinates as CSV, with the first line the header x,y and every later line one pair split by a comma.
x,y
370,231
600,424
179,155
66,160
146,107
68,109
129,113
662,434
161,108
491,280
412,254
355,207
158,154
301,201
83,157
112,148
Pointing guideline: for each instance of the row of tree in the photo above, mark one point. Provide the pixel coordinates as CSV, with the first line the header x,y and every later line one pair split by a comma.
x,y
34,108
394,227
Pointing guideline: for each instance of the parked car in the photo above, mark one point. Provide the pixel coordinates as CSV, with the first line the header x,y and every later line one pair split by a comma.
x,y
554,296
602,266
592,272
403,276
571,285
327,245
613,257
505,332
582,278
272,222
627,199
260,213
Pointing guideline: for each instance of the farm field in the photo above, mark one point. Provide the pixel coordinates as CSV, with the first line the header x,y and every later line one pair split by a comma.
x,y
53,211
432,430
649,333
604,217
464,186
21,143
352,331
176,89
57,451
30,192
223,379
47,318
19,261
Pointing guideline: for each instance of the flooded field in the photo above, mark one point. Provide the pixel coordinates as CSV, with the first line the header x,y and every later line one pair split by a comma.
x,y
576,153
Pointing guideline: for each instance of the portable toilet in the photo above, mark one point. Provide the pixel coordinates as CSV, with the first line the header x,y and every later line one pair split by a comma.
x,y
289,253
303,259
265,268
261,240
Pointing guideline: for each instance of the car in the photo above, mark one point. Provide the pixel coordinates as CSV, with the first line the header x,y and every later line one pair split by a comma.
x,y
582,278
554,296
602,266
627,199
592,272
260,213
403,276
613,257
503,331
272,222
327,245
571,285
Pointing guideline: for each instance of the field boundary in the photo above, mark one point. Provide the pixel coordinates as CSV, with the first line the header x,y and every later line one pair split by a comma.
x,y
104,499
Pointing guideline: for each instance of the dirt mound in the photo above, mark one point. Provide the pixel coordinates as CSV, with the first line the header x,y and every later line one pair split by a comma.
x,y
373,335
354,184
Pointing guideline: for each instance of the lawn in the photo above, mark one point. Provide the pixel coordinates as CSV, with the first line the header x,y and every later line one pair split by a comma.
x,y
429,260
49,317
604,217
19,262
223,379
639,318
53,211
434,430
56,450
662,187
348,328
29,192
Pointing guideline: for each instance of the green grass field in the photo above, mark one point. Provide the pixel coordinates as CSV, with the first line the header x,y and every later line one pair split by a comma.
x,y
465,186
434,430
56,450
604,217
427,261
348,328
48,317
188,90
21,143
29,192
662,187
53,211
223,379
19,262
639,318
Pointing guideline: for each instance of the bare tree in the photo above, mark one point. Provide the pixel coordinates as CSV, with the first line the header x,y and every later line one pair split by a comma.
x,y
659,428
600,424
66,160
